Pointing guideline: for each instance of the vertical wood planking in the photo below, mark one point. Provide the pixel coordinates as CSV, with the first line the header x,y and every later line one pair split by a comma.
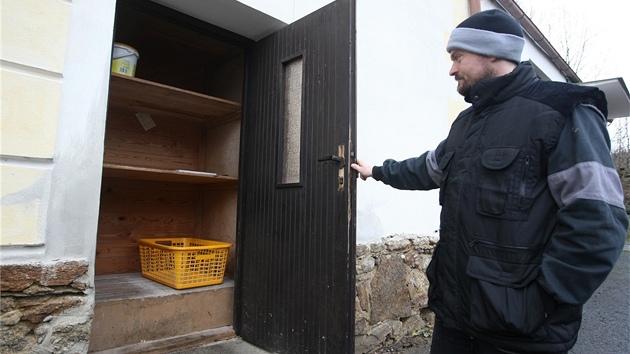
x,y
295,272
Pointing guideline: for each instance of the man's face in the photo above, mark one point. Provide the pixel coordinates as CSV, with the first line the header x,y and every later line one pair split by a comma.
x,y
469,68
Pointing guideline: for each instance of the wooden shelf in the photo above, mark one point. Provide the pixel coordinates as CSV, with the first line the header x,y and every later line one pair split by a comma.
x,y
154,174
142,95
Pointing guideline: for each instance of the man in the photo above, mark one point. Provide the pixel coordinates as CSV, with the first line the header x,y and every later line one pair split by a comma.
x,y
532,216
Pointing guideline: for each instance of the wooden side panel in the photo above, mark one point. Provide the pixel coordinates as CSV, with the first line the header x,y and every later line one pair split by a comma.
x,y
222,149
218,221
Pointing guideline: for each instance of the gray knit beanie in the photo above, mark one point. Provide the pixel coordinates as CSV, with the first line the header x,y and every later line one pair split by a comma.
x,y
492,33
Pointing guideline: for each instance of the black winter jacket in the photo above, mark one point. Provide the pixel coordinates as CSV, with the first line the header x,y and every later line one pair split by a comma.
x,y
532,216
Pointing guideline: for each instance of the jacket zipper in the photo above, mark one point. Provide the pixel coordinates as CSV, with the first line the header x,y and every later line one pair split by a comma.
x,y
474,242
521,198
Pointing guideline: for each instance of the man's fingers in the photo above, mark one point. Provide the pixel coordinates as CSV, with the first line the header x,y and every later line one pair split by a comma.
x,y
364,171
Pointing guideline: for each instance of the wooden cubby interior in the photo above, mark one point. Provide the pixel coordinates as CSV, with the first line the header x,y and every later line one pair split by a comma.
x,y
180,177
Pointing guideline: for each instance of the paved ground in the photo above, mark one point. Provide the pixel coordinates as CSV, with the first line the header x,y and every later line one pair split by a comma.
x,y
605,328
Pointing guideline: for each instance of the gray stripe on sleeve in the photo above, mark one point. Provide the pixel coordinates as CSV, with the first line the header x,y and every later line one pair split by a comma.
x,y
586,180
432,167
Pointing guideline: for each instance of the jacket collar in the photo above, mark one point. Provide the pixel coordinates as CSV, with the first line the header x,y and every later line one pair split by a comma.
x,y
499,89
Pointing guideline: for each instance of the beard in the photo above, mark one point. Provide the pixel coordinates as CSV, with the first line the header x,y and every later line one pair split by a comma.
x,y
464,86
466,83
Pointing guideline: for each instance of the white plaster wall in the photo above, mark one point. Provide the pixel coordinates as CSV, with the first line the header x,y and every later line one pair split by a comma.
x,y
30,72
76,179
71,186
405,103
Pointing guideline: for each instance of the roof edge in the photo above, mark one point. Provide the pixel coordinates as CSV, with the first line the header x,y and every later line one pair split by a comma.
x,y
511,7
617,96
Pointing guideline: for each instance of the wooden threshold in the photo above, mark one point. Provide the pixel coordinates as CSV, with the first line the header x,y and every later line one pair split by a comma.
x,y
175,344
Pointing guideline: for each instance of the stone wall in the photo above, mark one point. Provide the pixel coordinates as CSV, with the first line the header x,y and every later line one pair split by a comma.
x,y
45,308
391,289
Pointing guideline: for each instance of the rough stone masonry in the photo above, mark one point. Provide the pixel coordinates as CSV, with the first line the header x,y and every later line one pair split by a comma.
x,y
45,308
391,291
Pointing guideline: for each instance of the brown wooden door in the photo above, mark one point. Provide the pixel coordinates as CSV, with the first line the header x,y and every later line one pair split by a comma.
x,y
296,232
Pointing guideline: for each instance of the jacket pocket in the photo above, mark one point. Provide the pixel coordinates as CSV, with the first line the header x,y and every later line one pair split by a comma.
x,y
504,296
501,183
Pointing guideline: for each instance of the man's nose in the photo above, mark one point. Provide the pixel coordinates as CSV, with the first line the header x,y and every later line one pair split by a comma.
x,y
454,69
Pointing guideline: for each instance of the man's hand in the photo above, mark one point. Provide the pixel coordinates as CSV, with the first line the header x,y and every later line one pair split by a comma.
x,y
364,169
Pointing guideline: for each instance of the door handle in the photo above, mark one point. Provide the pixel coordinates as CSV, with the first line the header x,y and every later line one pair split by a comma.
x,y
340,159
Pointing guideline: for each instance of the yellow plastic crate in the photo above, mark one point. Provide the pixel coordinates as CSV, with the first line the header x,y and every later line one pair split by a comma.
x,y
183,263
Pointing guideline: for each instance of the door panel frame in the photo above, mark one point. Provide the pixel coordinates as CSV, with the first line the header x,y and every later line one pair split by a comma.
x,y
348,251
